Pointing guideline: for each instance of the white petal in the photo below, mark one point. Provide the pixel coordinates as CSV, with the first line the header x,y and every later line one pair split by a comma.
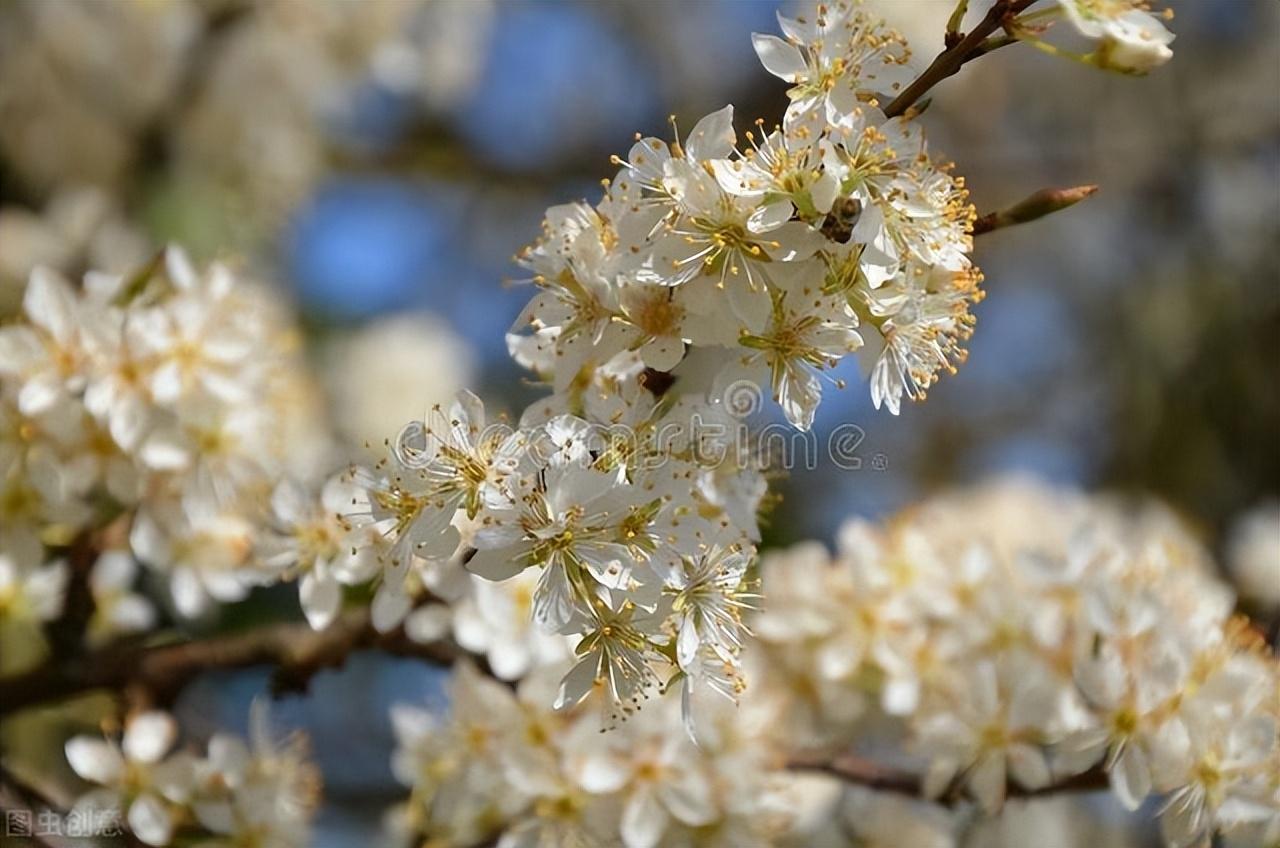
x,y
149,736
165,452
1131,776
804,29
290,503
712,137
577,683
823,192
553,600
150,821
189,596
428,624
643,820
132,613
688,798
95,760
320,598
178,265
229,756
987,782
901,696
217,816
510,659
497,564
50,303
390,606
688,643
20,349
39,394
602,772
129,421
779,58
1028,765
663,354
770,216
113,570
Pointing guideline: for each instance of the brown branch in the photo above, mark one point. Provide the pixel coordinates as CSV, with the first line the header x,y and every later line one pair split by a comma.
x,y
950,60
66,634
1042,203
159,672
871,775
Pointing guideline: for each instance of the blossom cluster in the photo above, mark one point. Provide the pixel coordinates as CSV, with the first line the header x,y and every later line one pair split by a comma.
x,y
1003,638
1018,634
704,268
761,267
171,396
775,260
262,792
640,544
505,765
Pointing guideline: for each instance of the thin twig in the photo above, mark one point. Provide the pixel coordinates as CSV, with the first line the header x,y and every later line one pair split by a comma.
x,y
871,775
1044,202
950,60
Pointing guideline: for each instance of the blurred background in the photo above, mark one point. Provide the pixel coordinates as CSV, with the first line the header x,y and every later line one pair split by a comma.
x,y
383,160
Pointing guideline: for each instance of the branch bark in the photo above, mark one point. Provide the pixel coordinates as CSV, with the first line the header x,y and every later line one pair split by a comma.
x,y
953,58
66,634
160,671
1042,203
871,775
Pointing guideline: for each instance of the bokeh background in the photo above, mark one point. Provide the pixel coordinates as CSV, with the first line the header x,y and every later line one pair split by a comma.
x,y
383,160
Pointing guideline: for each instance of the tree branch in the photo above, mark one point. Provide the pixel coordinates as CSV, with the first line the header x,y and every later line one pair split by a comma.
x,y
950,60
871,775
66,634
1042,203
160,671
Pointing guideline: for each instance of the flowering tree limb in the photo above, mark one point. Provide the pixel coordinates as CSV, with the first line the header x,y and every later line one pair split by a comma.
x,y
953,58
607,566
160,671
872,775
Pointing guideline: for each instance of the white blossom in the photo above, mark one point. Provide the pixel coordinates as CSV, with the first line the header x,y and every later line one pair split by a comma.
x,y
1130,38
141,780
